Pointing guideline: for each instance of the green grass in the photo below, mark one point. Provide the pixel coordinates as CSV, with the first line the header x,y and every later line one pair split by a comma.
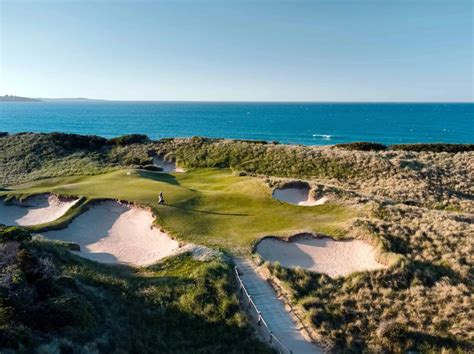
x,y
205,206
54,302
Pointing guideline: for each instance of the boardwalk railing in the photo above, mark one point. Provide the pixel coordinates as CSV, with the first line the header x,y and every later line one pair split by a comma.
x,y
256,315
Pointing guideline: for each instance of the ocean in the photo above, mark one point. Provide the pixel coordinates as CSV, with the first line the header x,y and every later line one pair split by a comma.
x,y
291,123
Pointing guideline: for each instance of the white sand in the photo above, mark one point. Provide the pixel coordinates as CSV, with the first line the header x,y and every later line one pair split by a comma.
x,y
322,255
297,196
38,209
110,232
166,165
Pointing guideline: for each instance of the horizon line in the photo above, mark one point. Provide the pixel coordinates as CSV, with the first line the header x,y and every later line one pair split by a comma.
x,y
239,101
85,99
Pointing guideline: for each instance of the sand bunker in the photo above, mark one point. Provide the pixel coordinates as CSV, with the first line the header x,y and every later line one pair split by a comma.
x,y
298,196
166,166
322,255
110,232
35,210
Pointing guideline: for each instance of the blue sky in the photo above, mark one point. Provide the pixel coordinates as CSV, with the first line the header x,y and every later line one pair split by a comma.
x,y
378,50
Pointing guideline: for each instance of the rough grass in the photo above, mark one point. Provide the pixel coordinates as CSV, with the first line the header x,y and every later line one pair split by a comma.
x,y
29,156
52,301
430,179
422,304
207,206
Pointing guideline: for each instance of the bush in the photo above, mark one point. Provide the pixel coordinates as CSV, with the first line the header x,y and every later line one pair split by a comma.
x,y
362,146
129,139
13,234
75,141
437,147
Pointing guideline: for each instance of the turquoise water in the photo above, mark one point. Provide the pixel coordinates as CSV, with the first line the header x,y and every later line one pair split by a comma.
x,y
296,123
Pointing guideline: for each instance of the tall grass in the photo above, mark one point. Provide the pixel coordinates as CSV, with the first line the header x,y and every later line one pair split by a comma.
x,y
53,301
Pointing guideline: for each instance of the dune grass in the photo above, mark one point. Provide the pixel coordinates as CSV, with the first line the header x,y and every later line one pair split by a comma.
x,y
205,206
52,301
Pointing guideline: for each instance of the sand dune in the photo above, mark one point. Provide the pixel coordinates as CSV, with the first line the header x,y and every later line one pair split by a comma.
x,y
111,232
35,210
297,196
322,255
167,166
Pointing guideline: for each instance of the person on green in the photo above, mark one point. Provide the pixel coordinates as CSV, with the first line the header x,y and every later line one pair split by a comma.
x,y
161,199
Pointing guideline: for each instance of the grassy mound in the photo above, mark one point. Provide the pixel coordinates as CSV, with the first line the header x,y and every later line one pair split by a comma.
x,y
206,206
29,156
52,301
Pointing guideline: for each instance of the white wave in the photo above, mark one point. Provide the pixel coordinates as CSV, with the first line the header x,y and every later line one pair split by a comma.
x,y
323,136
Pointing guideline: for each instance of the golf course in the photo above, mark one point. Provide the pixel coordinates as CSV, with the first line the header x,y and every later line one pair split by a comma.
x,y
82,223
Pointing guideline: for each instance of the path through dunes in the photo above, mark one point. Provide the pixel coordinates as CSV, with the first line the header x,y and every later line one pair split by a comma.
x,y
273,310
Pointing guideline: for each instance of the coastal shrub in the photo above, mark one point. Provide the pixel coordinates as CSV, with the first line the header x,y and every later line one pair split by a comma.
x,y
13,233
435,147
129,139
361,146
3,134
75,141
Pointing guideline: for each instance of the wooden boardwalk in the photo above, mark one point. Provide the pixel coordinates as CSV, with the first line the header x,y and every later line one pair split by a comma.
x,y
272,310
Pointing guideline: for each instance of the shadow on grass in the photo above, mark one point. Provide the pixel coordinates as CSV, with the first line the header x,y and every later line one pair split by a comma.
x,y
437,341
159,177
202,211
160,313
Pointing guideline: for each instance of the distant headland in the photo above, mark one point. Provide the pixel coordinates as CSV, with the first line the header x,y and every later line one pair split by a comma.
x,y
12,98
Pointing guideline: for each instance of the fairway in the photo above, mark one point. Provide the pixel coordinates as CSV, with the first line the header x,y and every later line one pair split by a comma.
x,y
205,206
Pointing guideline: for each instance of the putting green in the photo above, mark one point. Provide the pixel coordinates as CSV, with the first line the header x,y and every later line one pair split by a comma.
x,y
205,206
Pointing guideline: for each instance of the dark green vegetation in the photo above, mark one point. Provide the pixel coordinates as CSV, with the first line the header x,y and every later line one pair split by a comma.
x,y
434,147
362,146
437,147
129,139
53,301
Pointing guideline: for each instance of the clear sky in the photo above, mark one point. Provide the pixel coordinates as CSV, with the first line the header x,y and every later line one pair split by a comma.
x,y
379,50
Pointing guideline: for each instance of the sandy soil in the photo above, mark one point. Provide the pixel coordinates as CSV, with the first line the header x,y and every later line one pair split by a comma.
x,y
322,255
38,209
200,253
166,165
110,232
297,196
